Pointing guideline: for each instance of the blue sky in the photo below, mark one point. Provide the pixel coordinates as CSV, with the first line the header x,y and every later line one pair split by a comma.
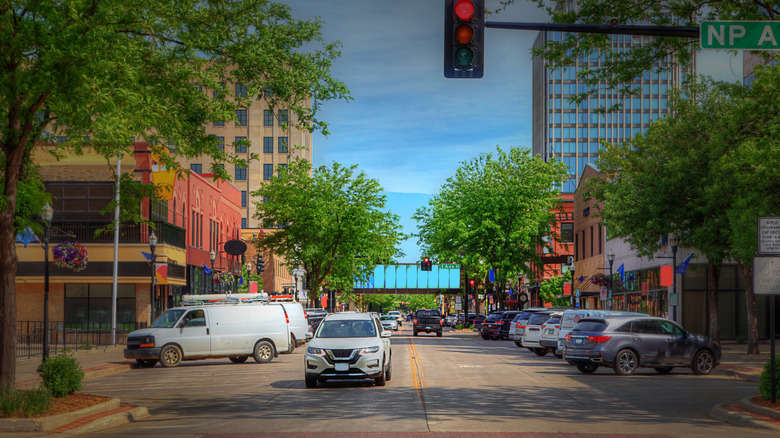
x,y
408,126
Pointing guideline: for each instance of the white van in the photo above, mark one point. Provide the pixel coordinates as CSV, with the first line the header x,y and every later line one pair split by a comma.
x,y
570,318
297,323
235,331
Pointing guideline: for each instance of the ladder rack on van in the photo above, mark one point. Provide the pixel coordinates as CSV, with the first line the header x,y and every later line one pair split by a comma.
x,y
206,299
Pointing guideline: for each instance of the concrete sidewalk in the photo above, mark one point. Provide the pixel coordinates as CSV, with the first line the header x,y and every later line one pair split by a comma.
x,y
735,362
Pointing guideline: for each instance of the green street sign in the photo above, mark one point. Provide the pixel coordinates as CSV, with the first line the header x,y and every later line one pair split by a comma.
x,y
449,266
744,35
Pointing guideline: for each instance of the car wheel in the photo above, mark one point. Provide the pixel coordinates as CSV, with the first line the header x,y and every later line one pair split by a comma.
x,y
485,337
587,368
541,352
264,352
146,363
626,362
170,356
558,355
438,334
519,344
530,349
293,342
238,359
311,381
664,370
382,379
703,363
415,332
389,372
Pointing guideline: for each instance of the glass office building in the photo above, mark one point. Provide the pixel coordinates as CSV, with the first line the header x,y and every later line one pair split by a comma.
x,y
573,132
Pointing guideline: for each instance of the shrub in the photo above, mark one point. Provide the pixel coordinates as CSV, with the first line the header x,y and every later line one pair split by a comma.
x,y
25,403
765,386
458,326
61,375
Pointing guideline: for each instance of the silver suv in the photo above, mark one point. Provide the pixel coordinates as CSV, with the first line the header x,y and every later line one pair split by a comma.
x,y
348,346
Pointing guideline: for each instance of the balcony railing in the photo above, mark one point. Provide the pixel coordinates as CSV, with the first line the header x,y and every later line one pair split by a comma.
x,y
95,232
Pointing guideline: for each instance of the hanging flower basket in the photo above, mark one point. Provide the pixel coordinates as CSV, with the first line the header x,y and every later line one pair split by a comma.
x,y
600,279
70,255
223,277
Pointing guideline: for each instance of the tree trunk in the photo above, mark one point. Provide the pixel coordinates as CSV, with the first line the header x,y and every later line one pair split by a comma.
x,y
8,265
750,302
713,277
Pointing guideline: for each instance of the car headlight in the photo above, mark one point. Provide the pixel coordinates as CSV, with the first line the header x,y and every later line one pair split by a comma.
x,y
314,350
147,342
368,350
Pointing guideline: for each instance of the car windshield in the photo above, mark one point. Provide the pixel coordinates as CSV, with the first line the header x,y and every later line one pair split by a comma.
x,y
422,313
169,318
346,329
493,317
538,318
554,320
526,315
590,326
388,318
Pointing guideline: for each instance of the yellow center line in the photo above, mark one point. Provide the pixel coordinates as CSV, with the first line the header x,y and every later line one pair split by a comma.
x,y
418,376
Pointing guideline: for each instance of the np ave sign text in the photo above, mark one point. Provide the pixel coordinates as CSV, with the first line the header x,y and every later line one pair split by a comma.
x,y
747,35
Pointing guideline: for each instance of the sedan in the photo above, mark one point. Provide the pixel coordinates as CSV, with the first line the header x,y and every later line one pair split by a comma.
x,y
626,343
389,322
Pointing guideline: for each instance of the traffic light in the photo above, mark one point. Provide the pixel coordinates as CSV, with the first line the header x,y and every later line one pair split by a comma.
x,y
259,264
471,284
464,38
426,264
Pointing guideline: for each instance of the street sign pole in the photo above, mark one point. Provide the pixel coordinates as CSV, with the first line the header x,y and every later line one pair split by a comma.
x,y
766,281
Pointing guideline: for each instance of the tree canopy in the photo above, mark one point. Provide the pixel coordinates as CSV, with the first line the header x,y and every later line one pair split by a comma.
x,y
493,213
330,221
102,74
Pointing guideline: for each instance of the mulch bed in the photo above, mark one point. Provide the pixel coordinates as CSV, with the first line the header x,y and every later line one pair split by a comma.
x,y
71,402
765,403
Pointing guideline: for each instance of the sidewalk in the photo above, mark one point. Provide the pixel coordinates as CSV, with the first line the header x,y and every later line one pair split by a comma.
x,y
735,362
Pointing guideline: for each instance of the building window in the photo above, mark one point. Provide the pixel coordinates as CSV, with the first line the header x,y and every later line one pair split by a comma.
x,y
240,143
221,141
219,123
268,171
268,118
219,91
243,198
197,168
240,173
281,168
265,199
567,231
601,238
282,145
282,117
240,90
89,305
591,241
268,145
576,247
243,222
160,210
241,117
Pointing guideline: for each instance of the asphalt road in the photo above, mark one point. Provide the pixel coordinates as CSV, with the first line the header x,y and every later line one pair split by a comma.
x,y
457,383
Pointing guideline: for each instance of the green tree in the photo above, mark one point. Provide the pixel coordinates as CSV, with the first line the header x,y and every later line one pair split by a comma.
x,y
551,290
249,275
493,214
419,301
330,222
103,73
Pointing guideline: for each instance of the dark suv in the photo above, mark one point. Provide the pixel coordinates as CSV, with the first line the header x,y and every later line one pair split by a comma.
x,y
496,326
428,320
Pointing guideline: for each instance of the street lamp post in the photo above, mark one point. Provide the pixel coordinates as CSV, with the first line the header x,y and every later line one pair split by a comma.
x,y
152,248
572,298
611,258
47,215
673,242
212,256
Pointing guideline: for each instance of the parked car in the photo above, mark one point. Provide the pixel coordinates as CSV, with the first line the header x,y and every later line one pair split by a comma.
x,y
549,337
477,320
626,343
533,332
491,327
397,315
348,346
427,320
519,323
314,315
450,320
389,322
235,331
571,317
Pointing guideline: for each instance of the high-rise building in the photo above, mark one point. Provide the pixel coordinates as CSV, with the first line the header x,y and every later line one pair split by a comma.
x,y
572,132
272,136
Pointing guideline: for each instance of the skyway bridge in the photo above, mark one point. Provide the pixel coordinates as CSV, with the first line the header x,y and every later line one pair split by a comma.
x,y
409,278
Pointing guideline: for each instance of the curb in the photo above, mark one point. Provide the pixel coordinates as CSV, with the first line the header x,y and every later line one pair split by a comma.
x,y
126,414
741,414
45,424
758,409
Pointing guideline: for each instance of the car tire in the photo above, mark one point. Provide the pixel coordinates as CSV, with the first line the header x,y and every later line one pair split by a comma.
x,y
530,349
238,359
541,352
438,334
311,381
519,344
293,342
146,363
264,352
587,368
626,362
703,363
382,379
415,332
663,370
558,355
389,372
170,356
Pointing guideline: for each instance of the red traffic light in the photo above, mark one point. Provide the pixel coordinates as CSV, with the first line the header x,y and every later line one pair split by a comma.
x,y
426,260
471,282
464,9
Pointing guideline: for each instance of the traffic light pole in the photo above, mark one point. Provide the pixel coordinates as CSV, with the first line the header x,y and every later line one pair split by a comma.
x,y
671,31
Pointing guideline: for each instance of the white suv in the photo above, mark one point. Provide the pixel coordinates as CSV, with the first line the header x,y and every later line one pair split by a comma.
x,y
348,346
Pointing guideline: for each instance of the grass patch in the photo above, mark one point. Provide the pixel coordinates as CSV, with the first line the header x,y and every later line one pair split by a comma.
x,y
24,403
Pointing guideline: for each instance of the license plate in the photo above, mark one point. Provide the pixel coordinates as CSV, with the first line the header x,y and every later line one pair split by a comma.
x,y
342,366
427,326
578,341
550,331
